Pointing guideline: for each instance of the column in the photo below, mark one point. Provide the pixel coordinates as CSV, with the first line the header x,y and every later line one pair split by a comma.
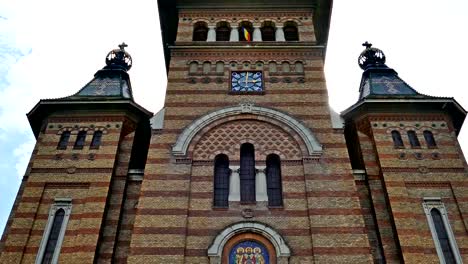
x,y
257,34
261,184
234,184
234,34
211,33
279,34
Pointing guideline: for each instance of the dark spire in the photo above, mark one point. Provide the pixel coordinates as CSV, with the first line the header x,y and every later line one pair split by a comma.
x,y
378,80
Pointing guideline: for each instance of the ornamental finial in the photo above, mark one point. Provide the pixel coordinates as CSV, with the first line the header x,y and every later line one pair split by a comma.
x,y
119,58
371,57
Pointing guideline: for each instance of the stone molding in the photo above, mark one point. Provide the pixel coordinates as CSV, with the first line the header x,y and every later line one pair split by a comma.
x,y
180,148
215,251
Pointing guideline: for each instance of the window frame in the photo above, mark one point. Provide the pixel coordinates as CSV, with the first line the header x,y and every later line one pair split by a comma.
x,y
60,203
430,203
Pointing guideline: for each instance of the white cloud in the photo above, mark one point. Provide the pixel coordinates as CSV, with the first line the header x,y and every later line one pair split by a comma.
x,y
22,156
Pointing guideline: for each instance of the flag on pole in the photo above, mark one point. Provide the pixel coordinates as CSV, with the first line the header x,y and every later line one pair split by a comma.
x,y
246,34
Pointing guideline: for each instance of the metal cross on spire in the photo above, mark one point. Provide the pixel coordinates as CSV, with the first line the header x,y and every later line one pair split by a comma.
x,y
367,44
123,46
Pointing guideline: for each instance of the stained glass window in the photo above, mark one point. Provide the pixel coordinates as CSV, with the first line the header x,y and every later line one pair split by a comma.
x,y
442,236
250,252
247,173
413,139
221,181
429,137
64,138
80,140
273,174
397,141
53,237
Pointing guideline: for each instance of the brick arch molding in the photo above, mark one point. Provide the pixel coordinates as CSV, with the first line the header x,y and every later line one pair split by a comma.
x,y
282,250
180,148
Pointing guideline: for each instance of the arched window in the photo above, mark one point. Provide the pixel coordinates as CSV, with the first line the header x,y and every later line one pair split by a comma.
x,y
413,139
63,141
268,31
193,68
299,67
285,66
273,174
221,181
80,140
442,236
223,31
53,236
290,31
219,67
397,141
206,67
96,141
248,27
272,66
429,137
200,31
247,173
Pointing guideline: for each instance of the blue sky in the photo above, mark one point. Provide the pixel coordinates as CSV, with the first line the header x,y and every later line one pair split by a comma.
x,y
52,48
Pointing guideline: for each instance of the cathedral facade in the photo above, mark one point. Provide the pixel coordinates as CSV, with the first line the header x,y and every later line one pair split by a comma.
x,y
246,162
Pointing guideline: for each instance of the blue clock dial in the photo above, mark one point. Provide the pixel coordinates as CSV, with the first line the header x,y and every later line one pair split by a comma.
x,y
245,81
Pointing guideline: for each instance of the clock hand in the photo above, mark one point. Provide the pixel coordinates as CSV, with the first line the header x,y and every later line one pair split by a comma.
x,y
246,78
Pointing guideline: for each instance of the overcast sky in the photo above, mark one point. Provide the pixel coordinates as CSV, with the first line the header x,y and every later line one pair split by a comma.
x,y
52,48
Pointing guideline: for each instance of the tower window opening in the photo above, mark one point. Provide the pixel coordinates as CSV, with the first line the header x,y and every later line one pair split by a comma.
x,y
200,31
413,139
223,31
53,236
442,236
273,174
268,31
429,137
247,173
96,141
80,140
63,141
247,33
221,181
290,31
397,140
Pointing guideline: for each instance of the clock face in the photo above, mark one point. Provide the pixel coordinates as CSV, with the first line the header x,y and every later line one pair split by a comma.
x,y
246,81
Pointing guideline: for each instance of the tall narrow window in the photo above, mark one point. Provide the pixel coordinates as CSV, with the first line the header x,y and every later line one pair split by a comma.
x,y
223,31
429,137
445,243
193,68
247,173
268,31
206,67
299,67
54,232
200,31
413,139
290,31
397,141
96,141
80,140
64,138
221,181
273,174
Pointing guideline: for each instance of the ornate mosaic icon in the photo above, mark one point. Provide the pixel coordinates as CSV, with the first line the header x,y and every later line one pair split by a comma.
x,y
249,252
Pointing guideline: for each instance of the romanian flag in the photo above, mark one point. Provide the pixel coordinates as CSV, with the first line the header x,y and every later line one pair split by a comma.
x,y
247,35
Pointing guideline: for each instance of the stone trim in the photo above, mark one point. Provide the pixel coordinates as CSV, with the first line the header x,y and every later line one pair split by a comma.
x,y
180,148
215,251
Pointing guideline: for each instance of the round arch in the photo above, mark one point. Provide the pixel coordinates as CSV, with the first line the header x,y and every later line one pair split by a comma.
x,y
215,251
183,141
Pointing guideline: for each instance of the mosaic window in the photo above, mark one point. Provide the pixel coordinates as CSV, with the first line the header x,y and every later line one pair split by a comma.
x,y
249,252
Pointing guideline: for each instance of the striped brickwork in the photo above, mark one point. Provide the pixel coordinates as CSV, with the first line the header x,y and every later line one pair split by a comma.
x,y
407,175
84,175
